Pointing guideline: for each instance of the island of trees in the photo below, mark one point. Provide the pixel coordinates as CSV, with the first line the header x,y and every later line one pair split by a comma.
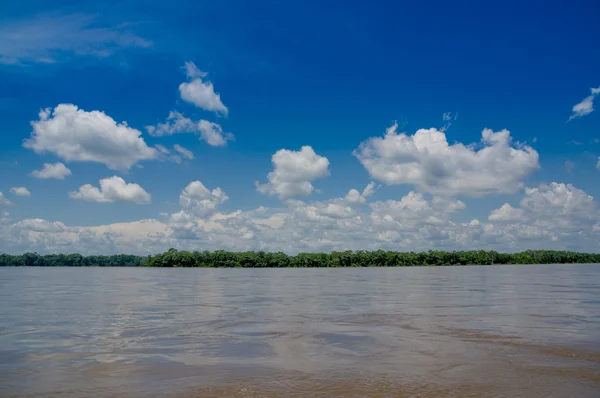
x,y
225,259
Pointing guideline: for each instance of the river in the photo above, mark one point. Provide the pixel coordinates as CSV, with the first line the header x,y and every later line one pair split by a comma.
x,y
493,331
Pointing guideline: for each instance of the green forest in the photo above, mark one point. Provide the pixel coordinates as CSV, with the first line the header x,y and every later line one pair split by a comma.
x,y
225,259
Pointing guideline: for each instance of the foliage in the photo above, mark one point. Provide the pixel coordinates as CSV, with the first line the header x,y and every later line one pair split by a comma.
x,y
70,260
224,259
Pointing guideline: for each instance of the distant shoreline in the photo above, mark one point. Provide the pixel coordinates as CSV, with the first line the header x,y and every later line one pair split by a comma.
x,y
347,259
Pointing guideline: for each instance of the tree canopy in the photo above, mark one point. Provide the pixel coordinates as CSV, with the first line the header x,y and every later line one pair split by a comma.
x,y
225,259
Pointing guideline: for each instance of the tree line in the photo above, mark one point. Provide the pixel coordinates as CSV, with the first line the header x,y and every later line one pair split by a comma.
x,y
225,259
70,260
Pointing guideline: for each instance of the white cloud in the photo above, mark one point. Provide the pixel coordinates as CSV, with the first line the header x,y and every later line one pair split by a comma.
x,y
550,216
199,200
586,106
325,214
54,38
75,135
414,211
210,132
554,216
184,225
162,149
369,190
3,200
40,225
353,196
294,171
331,210
201,94
213,134
548,202
192,71
598,164
427,161
183,151
38,235
113,189
507,213
412,223
52,170
174,158
20,191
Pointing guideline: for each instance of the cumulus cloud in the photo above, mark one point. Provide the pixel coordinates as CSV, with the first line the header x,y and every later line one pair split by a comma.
x,y
551,201
75,135
199,200
38,235
354,196
199,206
427,161
40,225
184,226
200,93
183,151
113,189
3,200
294,172
554,215
56,171
210,132
586,106
549,216
5,219
554,208
412,223
414,210
20,191
324,214
331,210
507,213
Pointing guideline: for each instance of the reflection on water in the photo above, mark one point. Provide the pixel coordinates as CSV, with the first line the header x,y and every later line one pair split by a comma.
x,y
427,332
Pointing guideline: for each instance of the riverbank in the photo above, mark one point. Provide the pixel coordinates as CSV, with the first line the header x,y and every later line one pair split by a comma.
x,y
224,259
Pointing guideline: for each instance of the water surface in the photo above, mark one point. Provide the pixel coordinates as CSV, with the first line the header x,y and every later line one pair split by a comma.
x,y
427,332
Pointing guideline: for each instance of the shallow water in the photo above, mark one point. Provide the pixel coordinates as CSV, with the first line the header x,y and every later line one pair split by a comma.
x,y
376,332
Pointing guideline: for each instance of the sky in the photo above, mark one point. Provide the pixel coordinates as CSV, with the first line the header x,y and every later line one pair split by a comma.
x,y
299,126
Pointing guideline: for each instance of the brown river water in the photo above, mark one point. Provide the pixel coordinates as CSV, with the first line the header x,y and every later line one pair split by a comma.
x,y
496,331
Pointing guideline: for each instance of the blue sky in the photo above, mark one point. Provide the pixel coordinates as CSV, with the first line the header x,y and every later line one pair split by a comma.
x,y
294,74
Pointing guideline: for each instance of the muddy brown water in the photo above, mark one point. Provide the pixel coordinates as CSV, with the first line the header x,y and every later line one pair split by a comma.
x,y
502,331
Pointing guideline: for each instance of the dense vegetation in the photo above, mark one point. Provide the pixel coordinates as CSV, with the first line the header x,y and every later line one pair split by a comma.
x,y
70,260
379,258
